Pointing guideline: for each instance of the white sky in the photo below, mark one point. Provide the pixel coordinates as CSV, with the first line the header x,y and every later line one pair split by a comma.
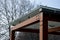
x,y
51,3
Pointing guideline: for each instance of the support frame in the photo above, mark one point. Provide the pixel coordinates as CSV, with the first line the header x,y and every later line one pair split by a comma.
x,y
43,30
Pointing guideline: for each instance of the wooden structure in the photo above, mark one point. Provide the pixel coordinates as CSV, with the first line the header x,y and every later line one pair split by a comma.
x,y
43,16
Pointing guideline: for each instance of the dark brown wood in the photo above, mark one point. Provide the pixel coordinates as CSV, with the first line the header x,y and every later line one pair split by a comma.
x,y
12,35
54,17
45,27
54,33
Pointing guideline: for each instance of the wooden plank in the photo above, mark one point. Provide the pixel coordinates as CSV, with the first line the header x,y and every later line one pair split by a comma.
x,y
29,21
54,29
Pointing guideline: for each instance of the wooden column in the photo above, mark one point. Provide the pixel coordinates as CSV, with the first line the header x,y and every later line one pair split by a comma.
x,y
43,27
12,35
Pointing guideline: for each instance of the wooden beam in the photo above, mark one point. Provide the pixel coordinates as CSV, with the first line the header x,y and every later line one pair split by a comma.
x,y
29,30
53,19
27,22
54,29
43,27
54,33
37,30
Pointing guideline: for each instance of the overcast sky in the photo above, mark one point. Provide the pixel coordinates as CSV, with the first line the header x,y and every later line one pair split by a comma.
x,y
51,3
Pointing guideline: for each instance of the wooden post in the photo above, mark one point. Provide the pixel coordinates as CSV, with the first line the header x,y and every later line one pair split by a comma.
x,y
43,27
12,36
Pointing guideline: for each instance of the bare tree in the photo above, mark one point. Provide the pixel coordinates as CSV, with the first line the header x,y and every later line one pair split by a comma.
x,y
9,11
